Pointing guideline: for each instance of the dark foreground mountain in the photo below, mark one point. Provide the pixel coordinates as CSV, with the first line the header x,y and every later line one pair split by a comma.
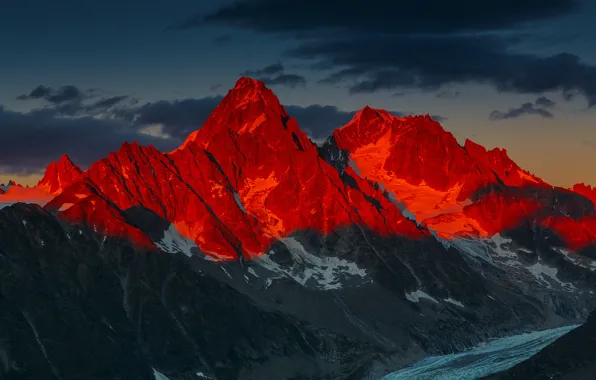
x,y
251,253
79,305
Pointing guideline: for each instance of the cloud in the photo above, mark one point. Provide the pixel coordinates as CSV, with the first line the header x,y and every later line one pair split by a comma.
x,y
37,93
106,103
273,75
215,87
536,108
545,102
64,94
379,16
447,94
72,101
31,140
371,65
178,118
275,68
289,80
434,44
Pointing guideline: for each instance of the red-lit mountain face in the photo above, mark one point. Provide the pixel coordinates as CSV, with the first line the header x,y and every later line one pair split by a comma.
x,y
457,191
59,175
249,176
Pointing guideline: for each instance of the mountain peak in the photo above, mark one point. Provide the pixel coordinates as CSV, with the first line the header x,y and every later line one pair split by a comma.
x,y
248,108
247,82
371,114
59,174
65,161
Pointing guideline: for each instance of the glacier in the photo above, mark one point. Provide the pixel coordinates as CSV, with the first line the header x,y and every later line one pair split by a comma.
x,y
486,359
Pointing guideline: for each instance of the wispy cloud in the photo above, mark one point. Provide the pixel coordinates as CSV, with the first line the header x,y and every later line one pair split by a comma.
x,y
537,108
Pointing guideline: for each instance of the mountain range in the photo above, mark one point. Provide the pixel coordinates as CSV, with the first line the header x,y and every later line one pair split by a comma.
x,y
251,252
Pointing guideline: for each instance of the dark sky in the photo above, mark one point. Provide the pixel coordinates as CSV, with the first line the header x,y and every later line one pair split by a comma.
x,y
83,76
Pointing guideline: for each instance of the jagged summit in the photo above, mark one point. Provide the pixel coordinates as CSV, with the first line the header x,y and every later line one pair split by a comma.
x,y
244,109
248,82
59,175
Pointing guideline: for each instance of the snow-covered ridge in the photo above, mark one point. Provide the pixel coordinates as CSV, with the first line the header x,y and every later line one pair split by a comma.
x,y
322,273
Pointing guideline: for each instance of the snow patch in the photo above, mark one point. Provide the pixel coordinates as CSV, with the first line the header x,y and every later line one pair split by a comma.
x,y
158,375
324,273
543,273
508,257
173,242
225,271
582,261
473,247
252,271
418,295
500,241
455,302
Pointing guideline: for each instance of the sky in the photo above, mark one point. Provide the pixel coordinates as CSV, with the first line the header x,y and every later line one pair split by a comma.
x,y
83,77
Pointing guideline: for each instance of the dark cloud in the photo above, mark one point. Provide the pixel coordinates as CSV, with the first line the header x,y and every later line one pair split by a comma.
x,y
64,94
536,108
106,103
433,44
71,101
275,68
381,16
543,101
569,94
215,87
432,62
274,75
447,94
178,118
289,80
37,93
31,140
